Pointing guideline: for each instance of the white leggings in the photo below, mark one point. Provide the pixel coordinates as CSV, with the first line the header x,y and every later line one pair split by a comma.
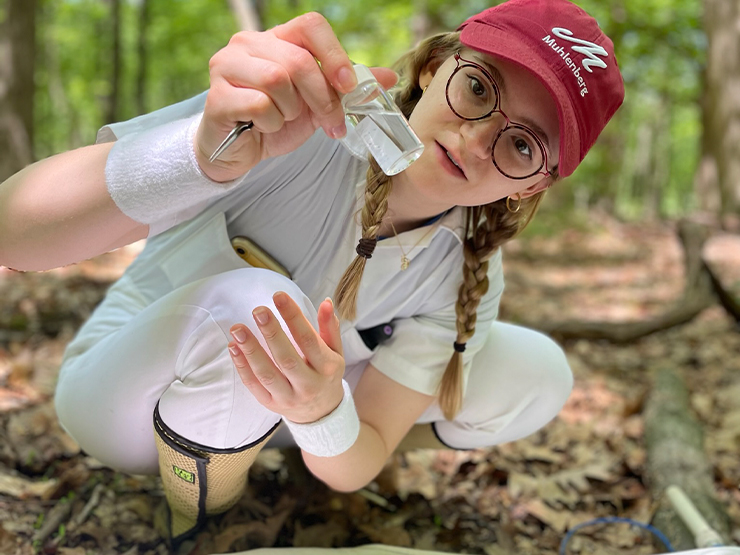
x,y
175,352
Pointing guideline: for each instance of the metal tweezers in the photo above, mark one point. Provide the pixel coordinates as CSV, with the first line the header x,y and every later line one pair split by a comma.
x,y
241,127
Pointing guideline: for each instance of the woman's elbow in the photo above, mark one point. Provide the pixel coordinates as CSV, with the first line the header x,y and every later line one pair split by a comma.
x,y
345,478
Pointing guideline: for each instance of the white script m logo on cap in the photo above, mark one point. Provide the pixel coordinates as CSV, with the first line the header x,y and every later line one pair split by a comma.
x,y
588,49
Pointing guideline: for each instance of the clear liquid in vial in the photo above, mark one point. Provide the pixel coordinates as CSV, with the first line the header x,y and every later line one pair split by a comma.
x,y
376,126
387,136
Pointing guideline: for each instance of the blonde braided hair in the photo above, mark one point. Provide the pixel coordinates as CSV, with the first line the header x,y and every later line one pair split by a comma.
x,y
487,227
377,191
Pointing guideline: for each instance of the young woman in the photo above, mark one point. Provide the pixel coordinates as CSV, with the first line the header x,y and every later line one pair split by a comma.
x,y
218,352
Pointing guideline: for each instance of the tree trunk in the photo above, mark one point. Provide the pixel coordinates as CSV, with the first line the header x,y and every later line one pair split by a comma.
x,y
144,13
421,24
246,15
111,113
642,160
706,180
721,108
259,8
675,456
17,63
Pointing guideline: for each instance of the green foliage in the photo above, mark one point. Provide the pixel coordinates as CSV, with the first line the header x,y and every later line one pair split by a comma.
x,y
74,67
642,166
183,36
650,149
376,32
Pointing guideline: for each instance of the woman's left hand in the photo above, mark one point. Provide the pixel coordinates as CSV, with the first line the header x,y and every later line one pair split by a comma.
x,y
301,388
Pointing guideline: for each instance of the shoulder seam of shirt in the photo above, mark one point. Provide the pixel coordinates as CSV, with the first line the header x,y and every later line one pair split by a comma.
x,y
453,222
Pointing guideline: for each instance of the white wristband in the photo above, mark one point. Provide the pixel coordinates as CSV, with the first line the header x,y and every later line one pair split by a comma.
x,y
332,435
153,174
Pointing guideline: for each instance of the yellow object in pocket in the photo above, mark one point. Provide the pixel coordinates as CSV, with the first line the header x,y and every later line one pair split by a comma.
x,y
256,256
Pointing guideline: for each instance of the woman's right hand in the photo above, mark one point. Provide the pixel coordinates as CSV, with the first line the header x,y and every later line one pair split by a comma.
x,y
272,78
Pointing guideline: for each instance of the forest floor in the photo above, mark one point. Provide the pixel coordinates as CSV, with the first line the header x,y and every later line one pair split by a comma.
x,y
520,497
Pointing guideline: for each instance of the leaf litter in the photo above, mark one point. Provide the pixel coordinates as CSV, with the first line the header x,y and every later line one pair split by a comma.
x,y
519,497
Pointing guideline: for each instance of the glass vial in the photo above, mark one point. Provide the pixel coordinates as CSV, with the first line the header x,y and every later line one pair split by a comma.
x,y
375,125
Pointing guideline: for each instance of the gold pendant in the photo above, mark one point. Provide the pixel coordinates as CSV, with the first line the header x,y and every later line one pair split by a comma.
x,y
404,263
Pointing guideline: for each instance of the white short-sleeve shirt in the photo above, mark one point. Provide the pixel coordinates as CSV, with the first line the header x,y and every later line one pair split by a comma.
x,y
302,208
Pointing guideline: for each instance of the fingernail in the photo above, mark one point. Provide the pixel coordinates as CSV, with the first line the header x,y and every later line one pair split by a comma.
x,y
330,301
239,334
261,315
279,299
347,79
234,350
339,131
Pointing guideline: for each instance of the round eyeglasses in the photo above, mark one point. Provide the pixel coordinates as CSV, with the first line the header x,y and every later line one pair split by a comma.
x,y
472,94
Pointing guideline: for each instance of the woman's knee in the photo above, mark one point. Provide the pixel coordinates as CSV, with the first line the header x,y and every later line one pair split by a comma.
x,y
534,360
518,383
231,297
551,372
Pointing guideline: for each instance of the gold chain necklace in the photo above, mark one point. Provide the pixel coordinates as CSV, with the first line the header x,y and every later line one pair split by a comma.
x,y
404,255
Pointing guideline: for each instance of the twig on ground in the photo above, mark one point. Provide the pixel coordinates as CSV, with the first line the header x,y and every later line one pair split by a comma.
x,y
54,518
80,518
377,499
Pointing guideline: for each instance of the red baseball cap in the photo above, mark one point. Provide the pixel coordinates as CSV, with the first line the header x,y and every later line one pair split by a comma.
x,y
566,50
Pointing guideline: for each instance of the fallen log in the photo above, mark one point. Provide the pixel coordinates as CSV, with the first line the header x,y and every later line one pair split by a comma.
x,y
702,289
674,441
728,301
626,332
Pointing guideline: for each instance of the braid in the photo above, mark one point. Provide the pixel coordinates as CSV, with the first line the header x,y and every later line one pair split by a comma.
x,y
487,228
377,191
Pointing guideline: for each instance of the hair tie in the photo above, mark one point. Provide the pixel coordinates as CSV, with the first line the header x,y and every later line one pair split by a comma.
x,y
459,347
366,247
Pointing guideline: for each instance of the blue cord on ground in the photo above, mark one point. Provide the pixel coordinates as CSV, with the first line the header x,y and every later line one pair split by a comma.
x,y
611,520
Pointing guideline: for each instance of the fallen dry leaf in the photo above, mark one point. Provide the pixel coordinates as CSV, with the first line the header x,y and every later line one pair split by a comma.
x,y
558,520
545,488
262,532
13,400
387,535
414,475
22,488
540,453
224,540
326,534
